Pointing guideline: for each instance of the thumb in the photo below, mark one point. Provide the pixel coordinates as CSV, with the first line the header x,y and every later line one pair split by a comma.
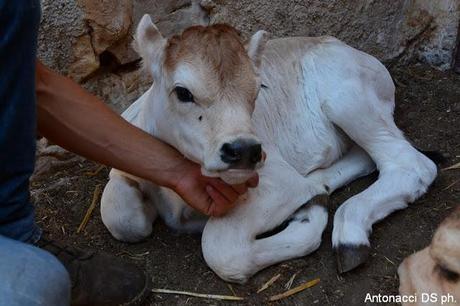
x,y
253,181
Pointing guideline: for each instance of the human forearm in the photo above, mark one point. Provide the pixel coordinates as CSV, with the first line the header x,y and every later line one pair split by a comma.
x,y
81,123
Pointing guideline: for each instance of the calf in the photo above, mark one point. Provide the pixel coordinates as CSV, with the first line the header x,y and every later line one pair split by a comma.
x,y
321,110
433,274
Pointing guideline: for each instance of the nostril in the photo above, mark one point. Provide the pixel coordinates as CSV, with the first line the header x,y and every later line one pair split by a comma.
x,y
256,153
242,153
231,152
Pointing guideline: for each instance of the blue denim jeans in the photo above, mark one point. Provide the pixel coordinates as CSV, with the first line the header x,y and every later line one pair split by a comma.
x,y
19,20
28,275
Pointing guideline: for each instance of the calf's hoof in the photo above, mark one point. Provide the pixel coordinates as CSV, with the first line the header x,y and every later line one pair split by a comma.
x,y
351,256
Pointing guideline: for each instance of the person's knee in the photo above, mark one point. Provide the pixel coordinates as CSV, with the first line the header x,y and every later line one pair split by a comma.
x,y
31,276
54,287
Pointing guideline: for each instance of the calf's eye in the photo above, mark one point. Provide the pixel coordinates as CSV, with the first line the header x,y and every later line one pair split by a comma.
x,y
183,94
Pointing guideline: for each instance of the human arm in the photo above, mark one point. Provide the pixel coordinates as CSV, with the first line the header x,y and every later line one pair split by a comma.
x,y
79,122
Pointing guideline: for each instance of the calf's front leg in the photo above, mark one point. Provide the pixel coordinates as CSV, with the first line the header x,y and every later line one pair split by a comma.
x,y
230,244
126,211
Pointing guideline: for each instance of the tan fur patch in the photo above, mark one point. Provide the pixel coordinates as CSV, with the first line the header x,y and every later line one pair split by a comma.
x,y
219,47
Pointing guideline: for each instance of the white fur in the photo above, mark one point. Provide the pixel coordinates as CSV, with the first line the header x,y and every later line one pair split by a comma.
x,y
324,120
256,47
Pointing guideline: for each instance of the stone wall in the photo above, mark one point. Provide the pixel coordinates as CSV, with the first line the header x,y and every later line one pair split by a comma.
x,y
396,30
91,40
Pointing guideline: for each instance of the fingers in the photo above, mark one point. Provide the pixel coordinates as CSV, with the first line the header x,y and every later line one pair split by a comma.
x,y
240,188
219,204
253,181
224,189
222,197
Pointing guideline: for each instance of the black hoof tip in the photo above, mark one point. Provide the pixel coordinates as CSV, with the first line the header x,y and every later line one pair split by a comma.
x,y
350,256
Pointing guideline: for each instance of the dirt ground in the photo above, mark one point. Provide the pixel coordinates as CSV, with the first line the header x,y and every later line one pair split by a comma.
x,y
428,111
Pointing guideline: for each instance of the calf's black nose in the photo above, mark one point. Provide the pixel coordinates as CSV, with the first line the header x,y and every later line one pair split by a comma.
x,y
241,153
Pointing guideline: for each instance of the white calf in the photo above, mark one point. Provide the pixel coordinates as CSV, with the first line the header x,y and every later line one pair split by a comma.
x,y
323,113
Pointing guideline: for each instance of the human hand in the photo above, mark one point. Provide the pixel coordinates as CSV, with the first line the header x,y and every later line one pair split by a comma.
x,y
211,196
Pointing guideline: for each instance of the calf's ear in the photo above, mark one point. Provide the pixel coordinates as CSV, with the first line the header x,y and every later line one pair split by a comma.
x,y
150,44
200,11
256,46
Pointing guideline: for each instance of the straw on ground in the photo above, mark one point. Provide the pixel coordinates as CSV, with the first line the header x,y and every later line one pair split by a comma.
x,y
269,283
288,285
452,185
96,193
294,290
455,166
95,172
200,295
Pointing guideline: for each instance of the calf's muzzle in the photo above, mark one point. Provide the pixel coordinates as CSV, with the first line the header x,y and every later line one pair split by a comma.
x,y
241,153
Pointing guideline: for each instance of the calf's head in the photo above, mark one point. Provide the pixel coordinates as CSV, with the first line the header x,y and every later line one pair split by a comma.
x,y
205,87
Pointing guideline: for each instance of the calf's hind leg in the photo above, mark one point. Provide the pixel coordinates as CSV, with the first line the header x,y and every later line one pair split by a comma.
x,y
404,175
126,212
303,234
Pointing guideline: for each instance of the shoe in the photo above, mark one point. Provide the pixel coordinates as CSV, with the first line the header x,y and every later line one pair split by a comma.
x,y
99,278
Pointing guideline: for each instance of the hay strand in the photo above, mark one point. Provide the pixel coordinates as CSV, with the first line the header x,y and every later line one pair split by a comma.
x,y
452,185
269,283
294,290
96,193
95,172
455,166
288,285
200,295
231,289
